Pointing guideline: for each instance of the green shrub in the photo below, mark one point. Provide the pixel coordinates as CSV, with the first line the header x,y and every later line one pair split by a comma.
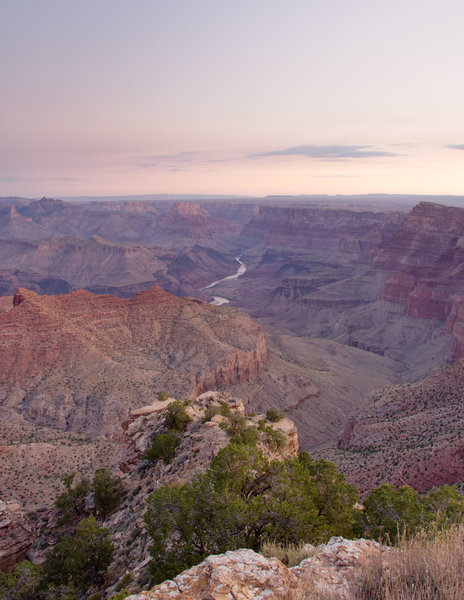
x,y
163,396
164,446
176,417
223,409
274,439
22,582
71,503
242,501
107,491
390,513
81,560
273,415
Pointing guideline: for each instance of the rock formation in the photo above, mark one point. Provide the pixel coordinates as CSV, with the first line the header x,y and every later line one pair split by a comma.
x,y
320,228
200,442
80,362
62,264
16,534
409,434
334,570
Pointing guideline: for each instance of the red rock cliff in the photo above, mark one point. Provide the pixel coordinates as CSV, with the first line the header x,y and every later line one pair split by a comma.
x,y
84,360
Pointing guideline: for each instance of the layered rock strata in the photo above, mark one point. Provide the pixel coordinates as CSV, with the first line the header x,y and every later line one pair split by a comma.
x,y
80,361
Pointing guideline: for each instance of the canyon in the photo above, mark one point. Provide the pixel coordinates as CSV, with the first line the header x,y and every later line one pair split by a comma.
x,y
349,319
346,298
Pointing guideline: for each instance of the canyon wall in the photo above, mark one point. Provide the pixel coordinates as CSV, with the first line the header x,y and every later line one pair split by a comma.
x,y
81,361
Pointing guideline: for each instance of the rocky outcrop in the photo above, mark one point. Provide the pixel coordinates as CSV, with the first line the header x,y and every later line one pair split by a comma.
x,y
83,361
335,570
238,575
16,534
200,442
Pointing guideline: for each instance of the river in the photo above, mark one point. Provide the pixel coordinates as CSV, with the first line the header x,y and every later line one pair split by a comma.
x,y
219,300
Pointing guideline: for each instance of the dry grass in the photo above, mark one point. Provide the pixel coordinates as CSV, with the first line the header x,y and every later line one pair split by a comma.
x,y
290,555
428,567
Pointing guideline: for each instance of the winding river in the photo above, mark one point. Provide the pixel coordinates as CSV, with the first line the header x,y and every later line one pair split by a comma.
x,y
218,300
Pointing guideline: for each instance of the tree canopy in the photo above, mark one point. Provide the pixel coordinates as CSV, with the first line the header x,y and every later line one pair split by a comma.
x,y
242,500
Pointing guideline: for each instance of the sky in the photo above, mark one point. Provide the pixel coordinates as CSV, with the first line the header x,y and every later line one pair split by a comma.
x,y
250,97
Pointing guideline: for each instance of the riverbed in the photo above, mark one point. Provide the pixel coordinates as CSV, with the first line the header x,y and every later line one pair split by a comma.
x,y
219,300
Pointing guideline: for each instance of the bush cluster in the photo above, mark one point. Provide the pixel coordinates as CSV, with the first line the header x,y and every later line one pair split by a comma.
x,y
242,500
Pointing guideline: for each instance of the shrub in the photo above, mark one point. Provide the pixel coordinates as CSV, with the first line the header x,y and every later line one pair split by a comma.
x,y
273,415
241,501
71,503
390,513
223,409
163,396
107,491
274,439
81,560
22,583
176,417
164,446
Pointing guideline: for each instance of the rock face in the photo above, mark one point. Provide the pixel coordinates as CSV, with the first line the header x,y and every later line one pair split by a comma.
x,y
15,534
320,228
410,434
80,362
193,220
334,569
426,263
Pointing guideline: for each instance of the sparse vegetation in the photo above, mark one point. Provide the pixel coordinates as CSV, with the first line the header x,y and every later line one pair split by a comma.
x,y
107,491
274,415
427,567
176,417
163,396
163,447
221,409
289,554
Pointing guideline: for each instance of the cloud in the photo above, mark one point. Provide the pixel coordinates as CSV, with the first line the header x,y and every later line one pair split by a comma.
x,y
8,179
333,152
455,146
179,157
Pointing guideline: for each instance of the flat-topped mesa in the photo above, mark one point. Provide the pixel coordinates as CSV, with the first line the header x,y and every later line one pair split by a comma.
x,y
189,208
321,228
192,219
83,361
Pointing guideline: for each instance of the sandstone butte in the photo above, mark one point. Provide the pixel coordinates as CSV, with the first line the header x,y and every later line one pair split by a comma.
x,y
80,361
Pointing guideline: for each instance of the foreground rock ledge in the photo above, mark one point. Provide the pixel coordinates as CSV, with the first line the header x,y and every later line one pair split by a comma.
x,y
334,568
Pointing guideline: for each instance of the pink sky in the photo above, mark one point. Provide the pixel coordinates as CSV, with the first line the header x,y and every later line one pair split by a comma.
x,y
261,97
